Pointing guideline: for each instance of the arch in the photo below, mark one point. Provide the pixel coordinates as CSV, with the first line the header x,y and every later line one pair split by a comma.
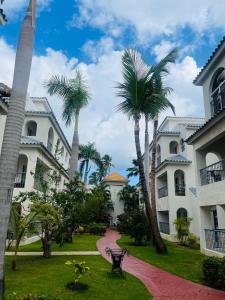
x,y
212,158
158,154
50,139
182,213
173,147
179,182
21,174
31,128
217,79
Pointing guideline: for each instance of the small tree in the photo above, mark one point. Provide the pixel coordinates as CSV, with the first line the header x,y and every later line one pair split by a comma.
x,y
182,227
80,269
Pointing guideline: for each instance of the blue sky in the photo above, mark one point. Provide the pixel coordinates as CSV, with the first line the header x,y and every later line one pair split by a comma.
x,y
91,34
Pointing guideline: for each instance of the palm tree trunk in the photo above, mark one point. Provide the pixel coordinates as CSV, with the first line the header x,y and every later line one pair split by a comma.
x,y
13,129
86,172
75,149
146,155
160,246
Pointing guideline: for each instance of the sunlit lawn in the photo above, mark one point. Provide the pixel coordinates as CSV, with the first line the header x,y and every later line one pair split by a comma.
x,y
83,242
38,275
182,261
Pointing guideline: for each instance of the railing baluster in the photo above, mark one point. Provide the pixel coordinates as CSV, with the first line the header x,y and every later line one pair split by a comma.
x,y
215,239
213,173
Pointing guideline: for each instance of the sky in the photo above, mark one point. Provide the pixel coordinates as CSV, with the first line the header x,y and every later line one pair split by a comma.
x,y
92,34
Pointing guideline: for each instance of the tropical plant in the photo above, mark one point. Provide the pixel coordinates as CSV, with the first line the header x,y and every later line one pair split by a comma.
x,y
106,164
182,227
14,296
133,171
75,95
80,269
87,153
130,197
19,225
13,127
137,81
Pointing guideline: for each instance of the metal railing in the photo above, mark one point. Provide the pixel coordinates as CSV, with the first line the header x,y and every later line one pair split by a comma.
x,y
213,173
20,180
163,192
164,227
215,239
180,189
218,99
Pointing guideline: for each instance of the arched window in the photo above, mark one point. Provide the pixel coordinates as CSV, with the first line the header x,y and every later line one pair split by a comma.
x,y
50,139
31,128
182,144
158,155
218,91
179,182
182,213
173,147
62,151
21,174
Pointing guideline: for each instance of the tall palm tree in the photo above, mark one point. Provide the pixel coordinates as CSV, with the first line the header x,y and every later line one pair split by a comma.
x,y
134,170
14,124
75,95
87,153
106,163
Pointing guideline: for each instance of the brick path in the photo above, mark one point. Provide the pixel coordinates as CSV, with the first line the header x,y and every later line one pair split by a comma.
x,y
162,285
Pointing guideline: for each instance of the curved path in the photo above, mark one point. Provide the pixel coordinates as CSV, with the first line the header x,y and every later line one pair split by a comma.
x,y
161,284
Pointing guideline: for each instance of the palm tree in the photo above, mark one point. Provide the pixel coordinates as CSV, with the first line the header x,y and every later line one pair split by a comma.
x,y
106,164
75,95
14,124
133,171
87,154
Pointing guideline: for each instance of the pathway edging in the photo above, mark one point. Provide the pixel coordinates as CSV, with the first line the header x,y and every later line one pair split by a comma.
x,y
55,253
161,284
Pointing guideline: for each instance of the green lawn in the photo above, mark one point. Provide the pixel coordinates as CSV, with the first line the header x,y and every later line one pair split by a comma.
x,y
181,261
50,276
84,242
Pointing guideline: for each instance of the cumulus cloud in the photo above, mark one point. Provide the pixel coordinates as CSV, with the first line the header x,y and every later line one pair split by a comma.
x,y
150,17
100,122
95,49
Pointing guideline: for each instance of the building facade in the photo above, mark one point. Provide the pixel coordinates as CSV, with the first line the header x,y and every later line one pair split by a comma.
x,y
43,146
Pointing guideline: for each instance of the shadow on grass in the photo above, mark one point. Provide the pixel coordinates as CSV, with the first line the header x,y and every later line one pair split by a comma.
x,y
116,275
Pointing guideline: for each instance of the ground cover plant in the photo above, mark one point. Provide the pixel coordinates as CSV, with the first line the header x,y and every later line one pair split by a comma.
x,y
180,260
52,276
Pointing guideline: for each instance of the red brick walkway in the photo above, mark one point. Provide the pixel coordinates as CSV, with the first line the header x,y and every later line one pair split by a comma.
x,y
162,285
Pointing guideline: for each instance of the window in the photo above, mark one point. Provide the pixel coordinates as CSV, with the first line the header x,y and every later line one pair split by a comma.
x,y
218,91
50,139
173,147
21,174
179,182
31,128
182,213
158,155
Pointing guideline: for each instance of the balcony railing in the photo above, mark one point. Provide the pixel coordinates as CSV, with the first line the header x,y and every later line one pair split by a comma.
x,y
163,192
20,180
164,227
213,173
218,99
180,189
215,239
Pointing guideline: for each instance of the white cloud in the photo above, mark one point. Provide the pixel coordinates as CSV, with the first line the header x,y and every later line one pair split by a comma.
x,y
95,49
110,130
150,17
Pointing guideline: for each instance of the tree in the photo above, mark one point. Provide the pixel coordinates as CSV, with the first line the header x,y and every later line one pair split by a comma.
x,y
87,153
133,171
13,128
19,225
75,95
136,89
3,18
106,164
130,197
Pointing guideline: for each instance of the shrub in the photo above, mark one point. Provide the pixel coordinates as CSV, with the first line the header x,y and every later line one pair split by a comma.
x,y
182,227
79,230
32,297
80,269
96,228
192,241
214,272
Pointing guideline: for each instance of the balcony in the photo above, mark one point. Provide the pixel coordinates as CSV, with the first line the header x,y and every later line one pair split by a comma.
x,y
218,99
163,192
213,173
164,227
180,190
215,239
20,180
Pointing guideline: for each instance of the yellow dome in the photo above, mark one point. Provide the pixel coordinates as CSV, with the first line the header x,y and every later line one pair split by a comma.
x,y
115,177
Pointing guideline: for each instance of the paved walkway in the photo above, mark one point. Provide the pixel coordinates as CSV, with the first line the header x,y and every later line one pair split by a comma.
x,y
55,253
162,285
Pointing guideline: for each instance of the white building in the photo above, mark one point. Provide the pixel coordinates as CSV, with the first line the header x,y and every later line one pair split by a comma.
x,y
116,183
42,144
210,138
175,174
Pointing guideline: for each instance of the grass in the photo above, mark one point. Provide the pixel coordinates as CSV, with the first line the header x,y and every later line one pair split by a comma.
x,y
181,261
84,242
49,276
